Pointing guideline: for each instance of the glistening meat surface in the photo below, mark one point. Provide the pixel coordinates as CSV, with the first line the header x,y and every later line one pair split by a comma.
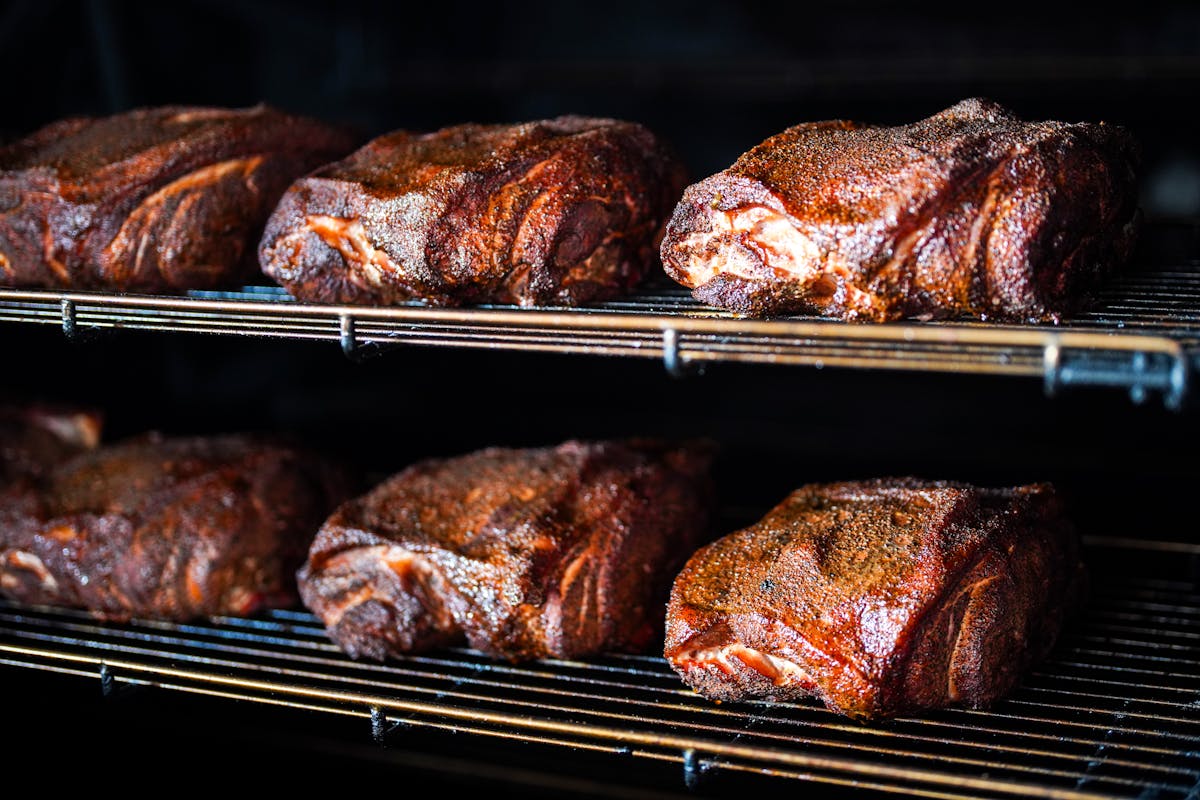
x,y
971,212
521,553
167,528
878,597
159,199
553,212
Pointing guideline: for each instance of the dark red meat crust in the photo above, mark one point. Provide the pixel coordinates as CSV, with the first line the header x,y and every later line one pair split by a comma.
x,y
969,213
36,438
168,528
153,200
565,551
561,211
878,597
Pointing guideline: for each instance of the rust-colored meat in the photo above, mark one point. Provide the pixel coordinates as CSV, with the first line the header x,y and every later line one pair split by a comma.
x,y
522,553
168,528
152,200
969,213
36,437
555,212
879,597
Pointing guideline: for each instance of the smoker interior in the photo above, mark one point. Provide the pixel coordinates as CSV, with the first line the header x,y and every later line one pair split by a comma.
x,y
268,701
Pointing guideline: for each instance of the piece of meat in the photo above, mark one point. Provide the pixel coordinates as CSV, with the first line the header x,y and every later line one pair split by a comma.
x,y
555,212
36,437
171,528
879,597
160,199
969,213
559,551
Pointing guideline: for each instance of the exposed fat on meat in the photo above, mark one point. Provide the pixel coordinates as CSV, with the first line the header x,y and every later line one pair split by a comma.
x,y
879,597
157,200
971,212
562,211
168,528
562,551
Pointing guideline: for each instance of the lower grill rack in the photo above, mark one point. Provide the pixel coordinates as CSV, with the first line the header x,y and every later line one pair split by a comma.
x,y
1114,713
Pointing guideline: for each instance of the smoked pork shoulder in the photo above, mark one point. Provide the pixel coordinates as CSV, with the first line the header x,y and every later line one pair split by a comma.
x,y
970,213
519,553
154,200
170,528
36,437
879,597
563,211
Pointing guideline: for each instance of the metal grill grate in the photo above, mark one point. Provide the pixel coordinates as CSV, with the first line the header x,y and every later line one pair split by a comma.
x,y
1143,335
1114,713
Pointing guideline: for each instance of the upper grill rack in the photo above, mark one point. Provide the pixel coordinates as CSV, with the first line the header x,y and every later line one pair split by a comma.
x,y
1143,334
1112,714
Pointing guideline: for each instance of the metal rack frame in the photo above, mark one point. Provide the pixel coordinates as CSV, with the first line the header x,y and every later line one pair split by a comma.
x,y
1143,336
1112,713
